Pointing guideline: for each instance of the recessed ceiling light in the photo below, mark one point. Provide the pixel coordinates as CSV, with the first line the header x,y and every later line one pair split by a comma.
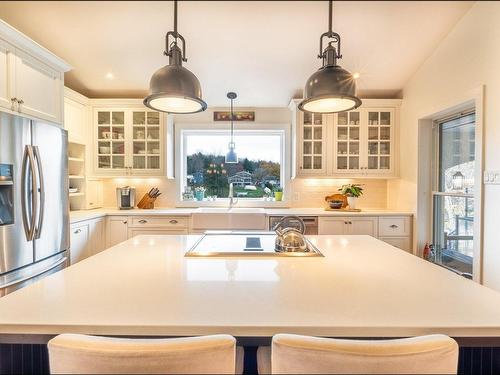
x,y
356,75
110,75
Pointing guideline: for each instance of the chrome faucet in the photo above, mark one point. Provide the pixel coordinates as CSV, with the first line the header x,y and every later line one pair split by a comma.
x,y
232,199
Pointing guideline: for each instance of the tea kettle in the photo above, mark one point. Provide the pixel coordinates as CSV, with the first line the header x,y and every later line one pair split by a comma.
x,y
290,239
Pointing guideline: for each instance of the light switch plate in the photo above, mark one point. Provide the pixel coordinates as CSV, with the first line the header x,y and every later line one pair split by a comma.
x,y
491,177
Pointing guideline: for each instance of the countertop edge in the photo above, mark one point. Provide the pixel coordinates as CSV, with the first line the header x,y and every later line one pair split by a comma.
x,y
84,215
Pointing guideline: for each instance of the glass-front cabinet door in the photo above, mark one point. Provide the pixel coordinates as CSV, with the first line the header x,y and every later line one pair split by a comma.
x,y
347,138
146,140
128,142
380,140
312,160
111,140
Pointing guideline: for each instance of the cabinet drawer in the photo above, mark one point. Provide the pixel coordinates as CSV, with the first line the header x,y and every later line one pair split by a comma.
x,y
397,226
403,243
158,221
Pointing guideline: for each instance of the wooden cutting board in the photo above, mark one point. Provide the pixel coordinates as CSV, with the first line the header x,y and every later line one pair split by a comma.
x,y
346,209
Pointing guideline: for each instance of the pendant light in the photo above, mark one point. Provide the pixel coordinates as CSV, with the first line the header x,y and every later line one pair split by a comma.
x,y
331,89
173,88
231,157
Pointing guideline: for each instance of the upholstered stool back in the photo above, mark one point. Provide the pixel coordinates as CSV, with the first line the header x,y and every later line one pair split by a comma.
x,y
293,354
71,353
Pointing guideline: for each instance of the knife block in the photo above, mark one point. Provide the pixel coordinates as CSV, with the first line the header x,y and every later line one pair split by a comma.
x,y
146,202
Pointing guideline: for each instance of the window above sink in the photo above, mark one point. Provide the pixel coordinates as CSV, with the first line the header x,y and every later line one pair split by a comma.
x,y
205,177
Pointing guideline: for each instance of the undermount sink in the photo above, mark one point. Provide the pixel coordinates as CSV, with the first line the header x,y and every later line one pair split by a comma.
x,y
224,218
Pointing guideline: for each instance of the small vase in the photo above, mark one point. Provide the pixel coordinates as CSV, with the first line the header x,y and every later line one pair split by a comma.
x,y
351,202
200,195
278,196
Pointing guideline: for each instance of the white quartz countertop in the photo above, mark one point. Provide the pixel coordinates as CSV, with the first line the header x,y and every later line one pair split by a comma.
x,y
82,215
145,286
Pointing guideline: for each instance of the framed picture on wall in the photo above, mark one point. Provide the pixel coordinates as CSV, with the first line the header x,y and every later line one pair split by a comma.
x,y
238,116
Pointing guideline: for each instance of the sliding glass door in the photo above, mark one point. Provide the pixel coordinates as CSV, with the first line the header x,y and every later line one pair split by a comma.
x,y
453,196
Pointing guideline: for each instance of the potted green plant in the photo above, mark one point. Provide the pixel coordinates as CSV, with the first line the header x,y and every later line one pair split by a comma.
x,y
278,193
352,192
199,192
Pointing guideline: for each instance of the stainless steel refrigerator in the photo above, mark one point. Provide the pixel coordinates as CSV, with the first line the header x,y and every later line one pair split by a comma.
x,y
34,207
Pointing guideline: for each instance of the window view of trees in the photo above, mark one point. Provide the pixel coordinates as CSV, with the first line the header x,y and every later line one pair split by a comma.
x,y
258,165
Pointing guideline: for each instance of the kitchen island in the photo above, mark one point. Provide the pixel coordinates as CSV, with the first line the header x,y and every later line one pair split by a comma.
x,y
145,286
362,287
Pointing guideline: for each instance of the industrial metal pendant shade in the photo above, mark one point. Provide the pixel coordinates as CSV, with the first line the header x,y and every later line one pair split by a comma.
x,y
173,88
331,89
231,157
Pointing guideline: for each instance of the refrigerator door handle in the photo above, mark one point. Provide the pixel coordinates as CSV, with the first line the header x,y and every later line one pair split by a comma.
x,y
18,281
29,228
41,189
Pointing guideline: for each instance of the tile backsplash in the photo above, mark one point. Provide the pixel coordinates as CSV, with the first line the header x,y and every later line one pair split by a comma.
x,y
312,192
304,192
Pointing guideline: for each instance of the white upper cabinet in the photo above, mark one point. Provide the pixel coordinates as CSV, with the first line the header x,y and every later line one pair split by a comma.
x,y
6,74
38,88
359,143
128,141
75,116
348,147
31,77
313,128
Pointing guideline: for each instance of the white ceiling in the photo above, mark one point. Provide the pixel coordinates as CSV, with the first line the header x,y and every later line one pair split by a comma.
x,y
263,50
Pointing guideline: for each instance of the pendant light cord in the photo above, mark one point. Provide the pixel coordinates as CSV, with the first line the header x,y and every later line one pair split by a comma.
x,y
175,35
232,126
330,34
330,16
175,21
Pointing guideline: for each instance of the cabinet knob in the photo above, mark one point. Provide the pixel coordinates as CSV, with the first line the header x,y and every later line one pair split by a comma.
x,y
394,226
124,221
142,221
91,203
20,101
173,221
12,103
77,231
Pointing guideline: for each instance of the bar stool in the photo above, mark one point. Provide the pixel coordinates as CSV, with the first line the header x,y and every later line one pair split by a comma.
x,y
73,353
294,354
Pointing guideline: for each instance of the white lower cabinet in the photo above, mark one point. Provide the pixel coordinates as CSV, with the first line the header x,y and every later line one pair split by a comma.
x,y
97,235
332,225
116,230
348,225
87,239
363,225
121,228
395,230
157,225
79,242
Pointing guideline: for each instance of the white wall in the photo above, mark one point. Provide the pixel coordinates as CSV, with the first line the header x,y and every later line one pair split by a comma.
x,y
466,59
